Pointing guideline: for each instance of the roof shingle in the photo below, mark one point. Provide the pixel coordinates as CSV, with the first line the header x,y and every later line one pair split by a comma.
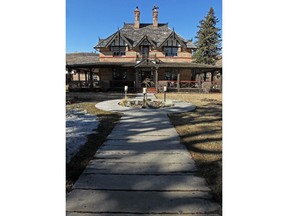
x,y
156,34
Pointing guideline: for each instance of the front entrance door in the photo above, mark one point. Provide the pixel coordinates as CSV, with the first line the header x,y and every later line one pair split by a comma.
x,y
146,77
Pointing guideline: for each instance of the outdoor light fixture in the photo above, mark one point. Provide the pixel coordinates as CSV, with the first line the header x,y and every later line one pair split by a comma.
x,y
165,90
125,90
144,97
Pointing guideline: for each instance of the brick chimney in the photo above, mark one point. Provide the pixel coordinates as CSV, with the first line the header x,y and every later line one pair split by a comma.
x,y
136,18
155,16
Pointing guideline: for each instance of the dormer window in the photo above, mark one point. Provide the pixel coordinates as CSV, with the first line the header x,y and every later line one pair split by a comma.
x,y
171,51
171,47
118,47
144,46
118,51
145,51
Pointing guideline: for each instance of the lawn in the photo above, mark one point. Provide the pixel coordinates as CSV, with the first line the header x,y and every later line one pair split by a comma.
x,y
201,132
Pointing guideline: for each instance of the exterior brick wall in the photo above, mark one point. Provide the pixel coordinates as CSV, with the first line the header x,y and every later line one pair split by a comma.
x,y
131,56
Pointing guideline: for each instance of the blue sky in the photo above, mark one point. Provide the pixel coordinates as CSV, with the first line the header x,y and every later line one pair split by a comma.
x,y
86,20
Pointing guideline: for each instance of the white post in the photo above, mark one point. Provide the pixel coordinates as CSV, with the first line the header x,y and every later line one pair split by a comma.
x,y
165,90
125,90
144,97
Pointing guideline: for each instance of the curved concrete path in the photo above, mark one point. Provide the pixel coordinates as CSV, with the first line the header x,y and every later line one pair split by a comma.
x,y
141,169
112,105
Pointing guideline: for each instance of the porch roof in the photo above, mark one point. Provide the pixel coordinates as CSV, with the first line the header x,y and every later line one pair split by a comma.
x,y
91,60
81,58
188,65
132,65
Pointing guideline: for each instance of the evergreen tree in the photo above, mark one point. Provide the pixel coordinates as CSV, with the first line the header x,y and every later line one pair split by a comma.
x,y
208,40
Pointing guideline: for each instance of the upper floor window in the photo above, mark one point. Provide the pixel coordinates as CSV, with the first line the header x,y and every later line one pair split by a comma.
x,y
145,51
118,47
171,51
118,50
171,47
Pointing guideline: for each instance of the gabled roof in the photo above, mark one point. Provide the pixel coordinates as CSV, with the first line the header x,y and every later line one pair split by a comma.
x,y
145,37
118,34
157,35
145,63
174,36
148,63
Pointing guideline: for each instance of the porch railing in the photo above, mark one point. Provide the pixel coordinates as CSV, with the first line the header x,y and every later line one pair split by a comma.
x,y
84,84
189,85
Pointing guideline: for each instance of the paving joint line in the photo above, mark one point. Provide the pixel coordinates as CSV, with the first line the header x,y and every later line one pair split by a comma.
x,y
145,191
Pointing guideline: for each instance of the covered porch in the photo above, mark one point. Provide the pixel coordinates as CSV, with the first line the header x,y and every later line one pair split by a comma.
x,y
153,74
178,77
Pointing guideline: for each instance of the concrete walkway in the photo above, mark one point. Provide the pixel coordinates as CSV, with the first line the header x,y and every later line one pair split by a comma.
x,y
141,169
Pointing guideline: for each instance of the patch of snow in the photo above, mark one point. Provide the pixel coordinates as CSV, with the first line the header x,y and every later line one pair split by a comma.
x,y
79,124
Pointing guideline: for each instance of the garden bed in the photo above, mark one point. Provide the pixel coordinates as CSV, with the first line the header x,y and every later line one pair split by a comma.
x,y
152,104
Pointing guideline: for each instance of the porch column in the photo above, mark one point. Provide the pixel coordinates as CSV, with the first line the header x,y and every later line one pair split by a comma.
x,y
192,75
212,74
91,78
69,75
136,79
68,78
156,79
85,76
205,76
178,81
79,83
78,75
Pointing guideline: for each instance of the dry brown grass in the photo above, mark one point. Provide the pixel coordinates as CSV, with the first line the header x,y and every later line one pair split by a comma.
x,y
201,132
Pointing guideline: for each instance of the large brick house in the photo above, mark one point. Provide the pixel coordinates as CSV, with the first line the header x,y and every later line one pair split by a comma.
x,y
140,54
